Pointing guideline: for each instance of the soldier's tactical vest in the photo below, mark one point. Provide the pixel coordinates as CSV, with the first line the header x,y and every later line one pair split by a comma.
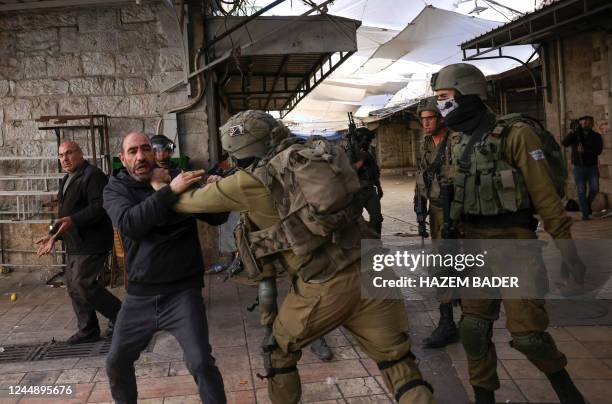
x,y
490,185
313,187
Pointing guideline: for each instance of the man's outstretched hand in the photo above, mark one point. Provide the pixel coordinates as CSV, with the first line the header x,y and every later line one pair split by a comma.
x,y
184,180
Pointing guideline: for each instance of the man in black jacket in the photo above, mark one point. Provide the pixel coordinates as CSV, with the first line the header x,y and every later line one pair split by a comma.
x,y
88,237
165,268
586,146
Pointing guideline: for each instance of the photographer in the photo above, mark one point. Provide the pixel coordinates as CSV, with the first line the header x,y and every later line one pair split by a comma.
x,y
586,145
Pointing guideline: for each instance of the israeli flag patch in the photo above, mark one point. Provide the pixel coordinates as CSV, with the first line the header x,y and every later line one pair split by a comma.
x,y
236,130
537,154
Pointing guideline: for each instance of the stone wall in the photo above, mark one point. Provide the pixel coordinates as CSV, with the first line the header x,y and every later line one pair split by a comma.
x,y
107,60
586,63
101,60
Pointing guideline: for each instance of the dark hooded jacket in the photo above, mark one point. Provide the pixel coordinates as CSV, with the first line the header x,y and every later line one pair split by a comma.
x,y
91,231
162,247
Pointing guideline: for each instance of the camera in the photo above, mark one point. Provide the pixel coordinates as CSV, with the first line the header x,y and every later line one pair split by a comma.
x,y
574,125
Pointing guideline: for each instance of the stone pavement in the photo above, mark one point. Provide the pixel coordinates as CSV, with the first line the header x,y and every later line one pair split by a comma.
x,y
42,313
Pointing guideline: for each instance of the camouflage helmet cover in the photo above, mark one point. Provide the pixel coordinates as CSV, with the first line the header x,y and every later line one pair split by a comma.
x,y
428,104
463,77
251,134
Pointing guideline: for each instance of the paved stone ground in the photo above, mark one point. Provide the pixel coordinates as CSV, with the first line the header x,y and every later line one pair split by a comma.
x,y
42,313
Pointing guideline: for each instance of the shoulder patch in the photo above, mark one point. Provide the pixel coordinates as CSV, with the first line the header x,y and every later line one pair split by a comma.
x,y
537,154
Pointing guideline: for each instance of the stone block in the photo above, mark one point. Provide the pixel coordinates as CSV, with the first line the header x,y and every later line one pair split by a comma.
x,y
24,132
163,80
138,13
64,66
20,108
10,69
98,64
600,97
597,69
108,19
69,39
95,86
605,157
596,83
98,41
42,39
174,99
1,127
167,30
120,127
7,43
41,87
5,88
134,85
9,23
170,59
109,105
42,20
146,104
34,67
44,106
73,106
134,64
143,36
87,21
194,123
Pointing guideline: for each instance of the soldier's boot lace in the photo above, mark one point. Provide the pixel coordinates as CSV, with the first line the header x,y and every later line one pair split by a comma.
x,y
320,348
565,388
446,332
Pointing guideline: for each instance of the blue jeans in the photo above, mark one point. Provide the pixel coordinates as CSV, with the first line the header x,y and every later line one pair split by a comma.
x,y
183,315
586,176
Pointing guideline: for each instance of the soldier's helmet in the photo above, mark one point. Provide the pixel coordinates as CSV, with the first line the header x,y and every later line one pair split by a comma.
x,y
251,134
161,142
428,104
463,77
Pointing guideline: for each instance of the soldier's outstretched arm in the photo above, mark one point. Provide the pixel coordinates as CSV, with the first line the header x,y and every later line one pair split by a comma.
x,y
221,196
525,152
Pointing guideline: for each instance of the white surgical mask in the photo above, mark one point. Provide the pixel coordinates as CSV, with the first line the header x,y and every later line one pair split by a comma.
x,y
447,106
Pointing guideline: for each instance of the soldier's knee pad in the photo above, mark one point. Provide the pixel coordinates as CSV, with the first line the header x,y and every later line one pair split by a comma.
x,y
475,336
537,345
406,387
268,347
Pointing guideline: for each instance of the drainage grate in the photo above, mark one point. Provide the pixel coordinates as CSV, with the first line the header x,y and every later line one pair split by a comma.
x,y
53,350
57,350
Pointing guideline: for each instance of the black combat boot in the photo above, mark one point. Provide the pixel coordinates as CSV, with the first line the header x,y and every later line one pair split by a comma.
x,y
320,348
565,388
483,396
446,332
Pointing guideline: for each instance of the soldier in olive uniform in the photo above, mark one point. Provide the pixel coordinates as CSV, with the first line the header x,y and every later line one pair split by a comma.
x,y
326,290
362,156
483,161
432,175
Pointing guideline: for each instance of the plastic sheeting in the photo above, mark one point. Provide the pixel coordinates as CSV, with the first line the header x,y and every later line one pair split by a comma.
x,y
434,36
400,44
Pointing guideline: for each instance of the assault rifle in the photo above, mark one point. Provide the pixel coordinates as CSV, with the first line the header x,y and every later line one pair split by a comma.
x,y
217,170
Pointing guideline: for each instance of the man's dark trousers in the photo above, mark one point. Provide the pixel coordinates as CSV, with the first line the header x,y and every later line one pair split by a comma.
x,y
86,292
586,176
182,314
